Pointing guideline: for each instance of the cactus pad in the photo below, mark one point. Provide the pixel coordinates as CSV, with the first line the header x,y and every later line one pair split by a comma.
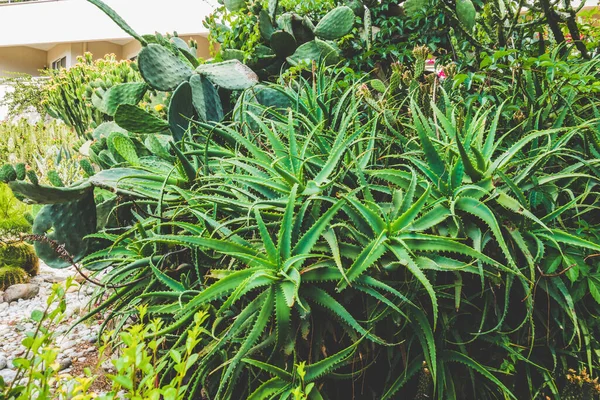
x,y
205,99
125,93
336,23
162,69
232,54
11,275
118,20
54,179
7,173
20,255
232,74
105,129
283,43
67,224
135,119
234,5
21,171
32,176
465,11
126,149
265,25
316,50
181,111
87,167
42,194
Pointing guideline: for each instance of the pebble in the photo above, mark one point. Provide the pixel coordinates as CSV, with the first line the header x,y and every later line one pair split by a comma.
x,y
8,375
15,322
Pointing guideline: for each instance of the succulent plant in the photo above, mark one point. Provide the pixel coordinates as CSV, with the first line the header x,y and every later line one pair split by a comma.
x,y
7,173
20,255
10,275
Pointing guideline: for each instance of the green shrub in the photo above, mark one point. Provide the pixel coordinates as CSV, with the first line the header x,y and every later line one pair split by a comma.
x,y
12,214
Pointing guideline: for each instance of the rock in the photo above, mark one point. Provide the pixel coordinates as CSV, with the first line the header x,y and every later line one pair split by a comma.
x,y
64,364
23,291
107,366
8,375
3,306
2,362
67,344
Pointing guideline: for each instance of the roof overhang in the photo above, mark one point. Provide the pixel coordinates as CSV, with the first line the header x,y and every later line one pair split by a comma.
x,y
37,24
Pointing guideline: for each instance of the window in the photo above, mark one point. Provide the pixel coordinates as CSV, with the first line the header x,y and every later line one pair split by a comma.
x,y
60,63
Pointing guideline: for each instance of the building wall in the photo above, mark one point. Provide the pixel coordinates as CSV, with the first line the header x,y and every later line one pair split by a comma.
x,y
100,49
22,59
59,51
131,49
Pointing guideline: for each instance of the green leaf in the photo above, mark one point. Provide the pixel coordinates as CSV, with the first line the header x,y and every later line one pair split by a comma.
x,y
405,259
454,356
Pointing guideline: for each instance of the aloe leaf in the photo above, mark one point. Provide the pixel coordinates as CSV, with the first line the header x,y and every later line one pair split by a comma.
x,y
316,370
325,300
258,328
269,389
481,211
370,254
454,356
271,369
414,269
285,233
308,240
405,219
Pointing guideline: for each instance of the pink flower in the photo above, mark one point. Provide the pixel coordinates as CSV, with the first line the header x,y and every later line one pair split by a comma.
x,y
430,61
441,74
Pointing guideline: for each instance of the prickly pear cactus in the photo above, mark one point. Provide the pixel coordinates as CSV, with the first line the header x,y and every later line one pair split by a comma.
x,y
21,171
54,179
126,149
7,173
125,93
232,74
162,69
20,255
65,224
87,167
317,51
335,24
466,13
206,99
10,275
134,119
181,111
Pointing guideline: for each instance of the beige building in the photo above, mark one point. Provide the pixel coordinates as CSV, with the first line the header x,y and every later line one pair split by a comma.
x,y
41,34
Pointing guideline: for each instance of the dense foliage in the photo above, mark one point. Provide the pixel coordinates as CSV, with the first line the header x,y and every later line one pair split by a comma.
x,y
400,234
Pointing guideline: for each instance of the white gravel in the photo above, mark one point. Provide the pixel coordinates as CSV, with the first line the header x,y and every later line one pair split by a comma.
x,y
75,345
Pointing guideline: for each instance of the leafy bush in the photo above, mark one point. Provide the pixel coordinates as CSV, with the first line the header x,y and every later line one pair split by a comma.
x,y
13,214
426,235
